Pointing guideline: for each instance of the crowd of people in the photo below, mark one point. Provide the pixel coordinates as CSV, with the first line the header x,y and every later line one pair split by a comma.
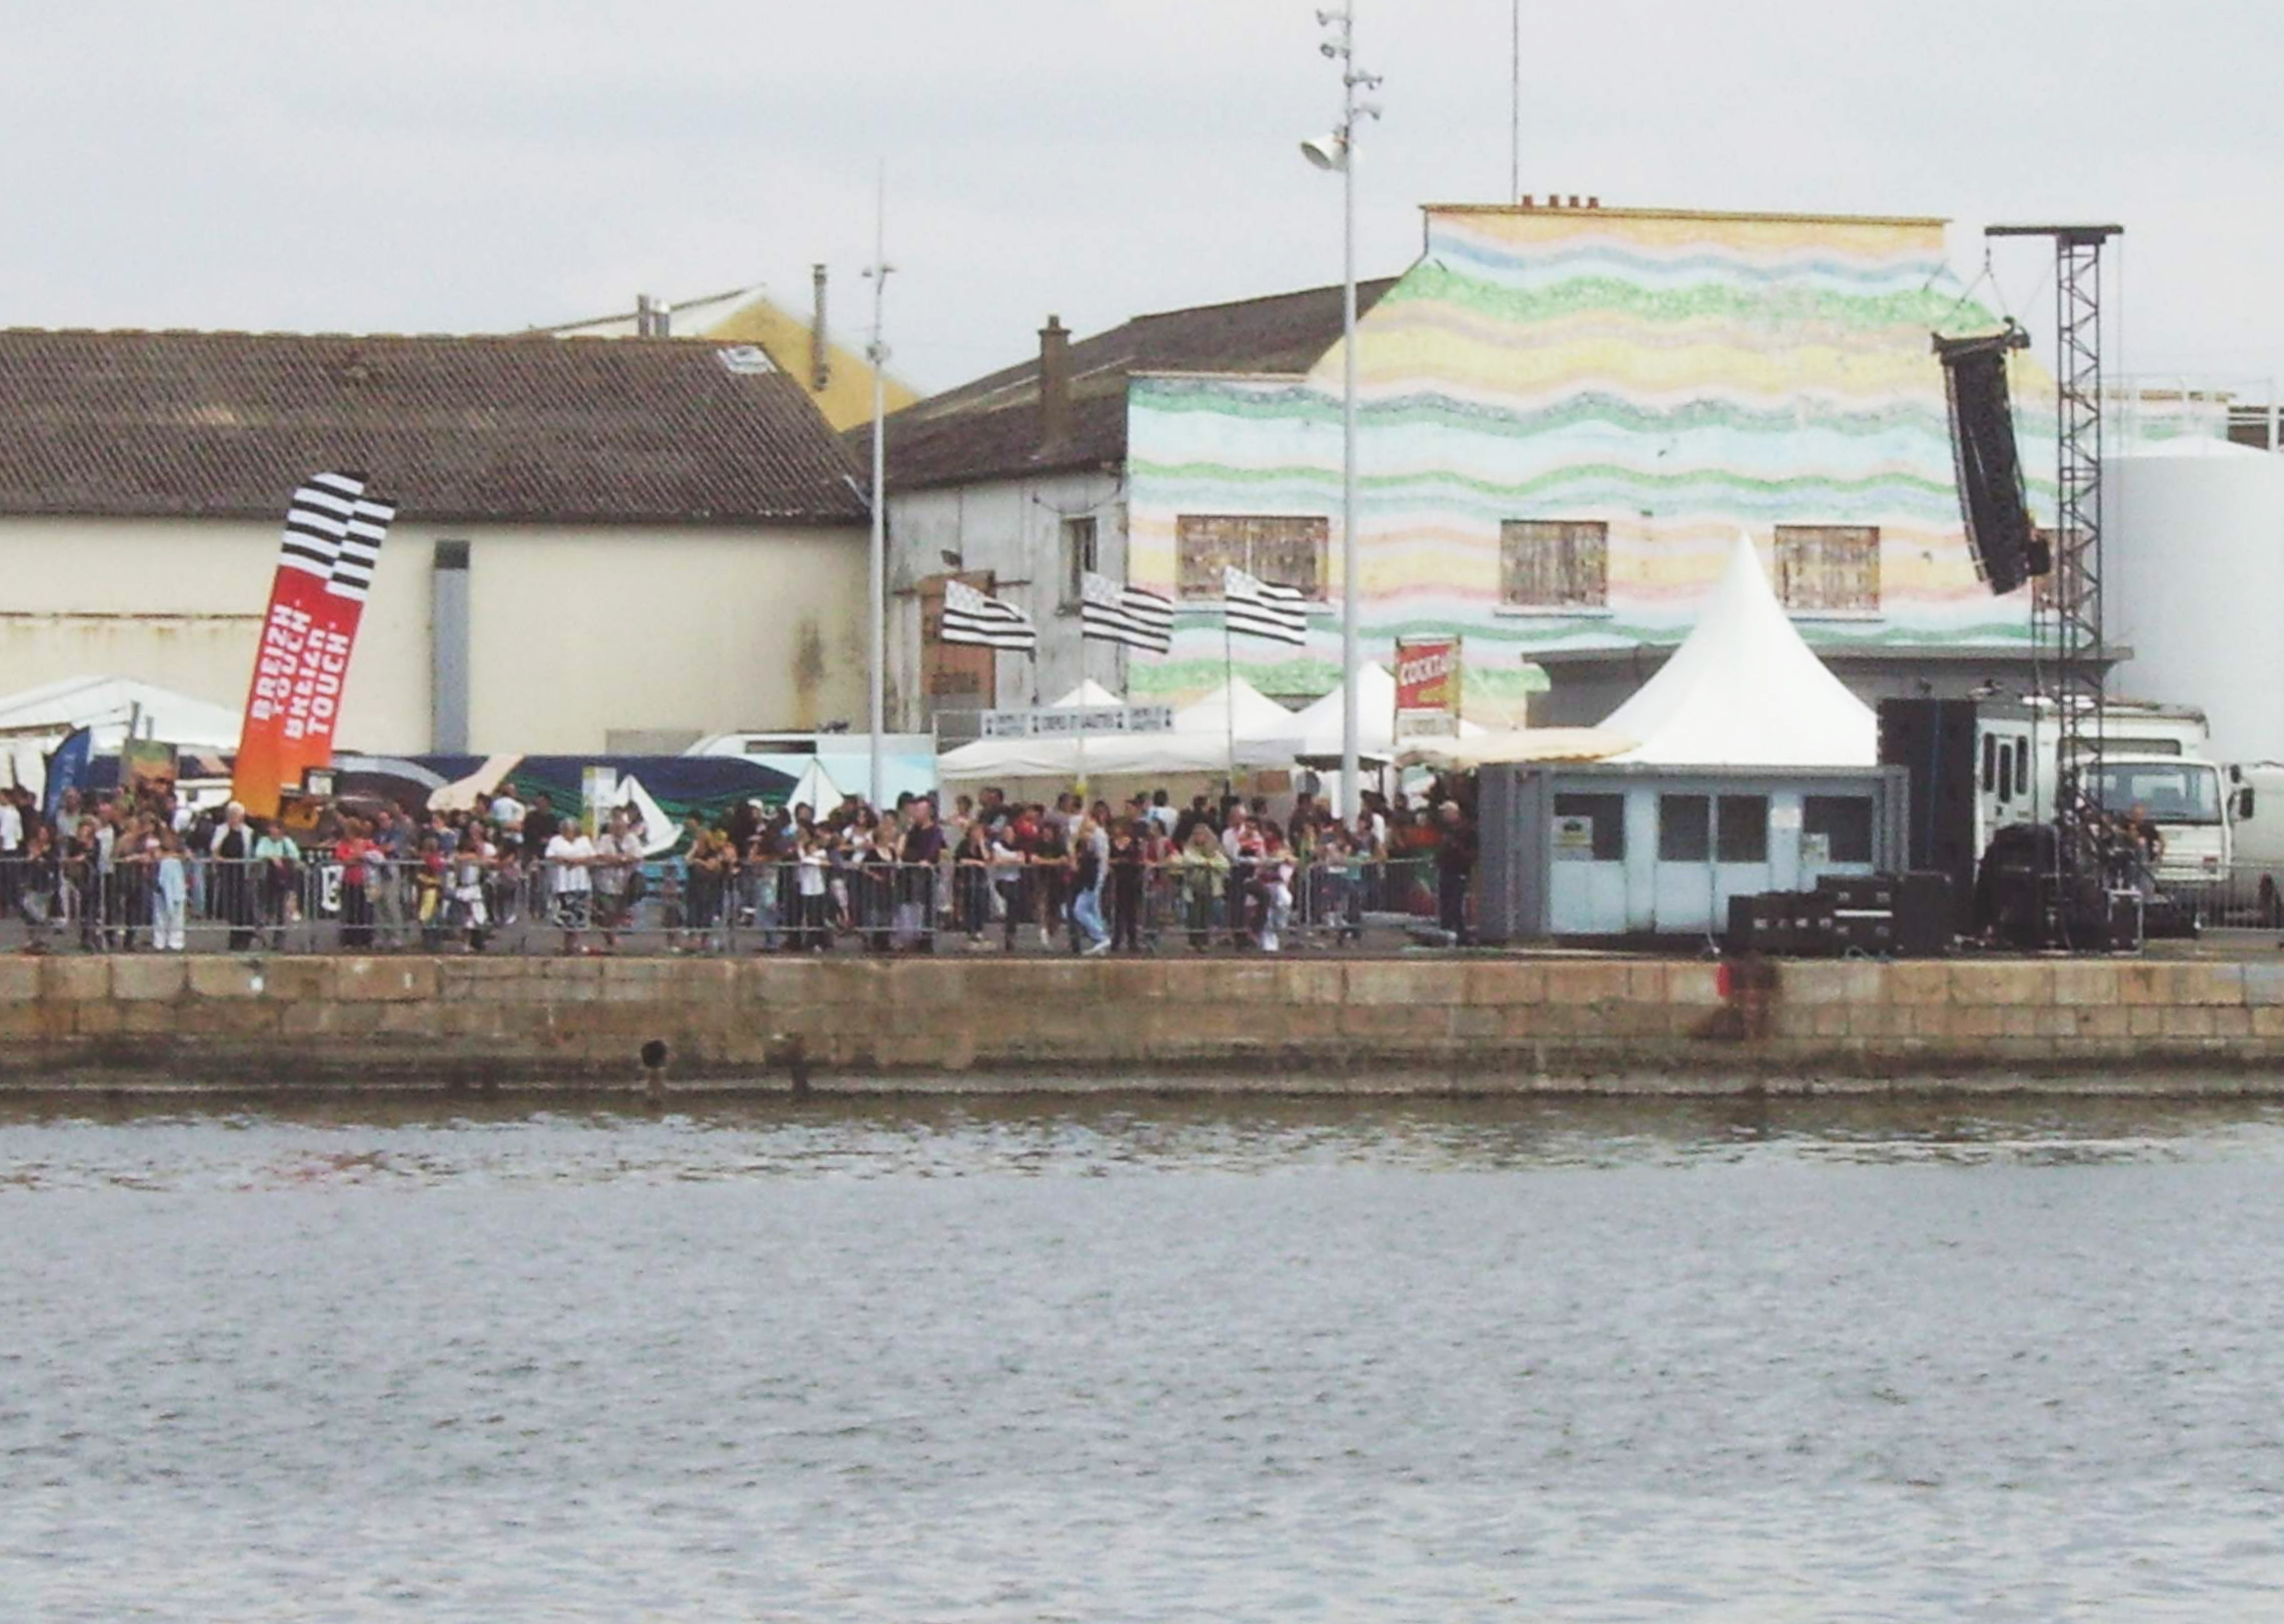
x,y
132,870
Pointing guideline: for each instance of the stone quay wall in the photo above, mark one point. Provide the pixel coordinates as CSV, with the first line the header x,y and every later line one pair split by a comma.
x,y
1461,1024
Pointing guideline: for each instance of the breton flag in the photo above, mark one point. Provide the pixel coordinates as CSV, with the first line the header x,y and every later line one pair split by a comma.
x,y
316,524
314,710
1258,609
1109,613
993,623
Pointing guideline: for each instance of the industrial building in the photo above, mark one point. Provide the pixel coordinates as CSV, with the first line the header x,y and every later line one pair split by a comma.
x,y
619,546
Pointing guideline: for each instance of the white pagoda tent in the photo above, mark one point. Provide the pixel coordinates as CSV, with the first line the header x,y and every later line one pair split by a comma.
x,y
1743,690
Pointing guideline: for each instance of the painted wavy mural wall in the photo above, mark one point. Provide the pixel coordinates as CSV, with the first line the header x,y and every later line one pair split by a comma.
x,y
1674,376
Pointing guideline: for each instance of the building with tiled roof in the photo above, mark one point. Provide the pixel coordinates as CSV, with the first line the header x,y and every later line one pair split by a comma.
x,y
1017,482
835,377
594,540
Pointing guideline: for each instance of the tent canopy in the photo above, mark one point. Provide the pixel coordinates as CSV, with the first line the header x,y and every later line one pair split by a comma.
x,y
1524,745
1316,728
104,704
1744,690
1199,744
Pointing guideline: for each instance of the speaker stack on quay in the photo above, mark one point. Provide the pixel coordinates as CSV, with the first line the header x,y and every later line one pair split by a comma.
x,y
1847,916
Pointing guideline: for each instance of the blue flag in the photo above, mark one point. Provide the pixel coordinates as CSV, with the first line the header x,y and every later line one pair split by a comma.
x,y
67,768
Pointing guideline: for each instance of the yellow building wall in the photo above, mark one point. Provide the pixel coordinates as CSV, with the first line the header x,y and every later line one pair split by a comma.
x,y
847,398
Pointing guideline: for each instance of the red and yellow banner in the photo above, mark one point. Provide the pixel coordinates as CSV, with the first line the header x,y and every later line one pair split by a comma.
x,y
1428,674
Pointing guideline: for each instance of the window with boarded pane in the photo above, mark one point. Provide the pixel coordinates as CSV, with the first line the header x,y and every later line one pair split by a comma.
x,y
1684,829
1829,566
1282,551
1607,815
1741,833
1553,563
1843,820
1079,558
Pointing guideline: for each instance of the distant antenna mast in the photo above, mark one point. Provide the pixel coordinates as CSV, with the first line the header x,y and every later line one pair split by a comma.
x,y
1514,109
877,353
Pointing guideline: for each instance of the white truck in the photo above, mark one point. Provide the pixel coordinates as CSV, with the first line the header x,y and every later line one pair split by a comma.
x,y
2152,759
2256,819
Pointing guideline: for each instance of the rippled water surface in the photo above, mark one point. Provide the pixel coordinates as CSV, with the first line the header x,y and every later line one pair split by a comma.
x,y
1144,1360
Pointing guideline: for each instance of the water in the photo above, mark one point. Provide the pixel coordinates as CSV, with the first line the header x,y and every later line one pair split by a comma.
x,y
1144,1361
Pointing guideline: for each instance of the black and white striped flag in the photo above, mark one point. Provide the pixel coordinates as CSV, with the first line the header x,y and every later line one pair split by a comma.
x,y
1256,609
993,623
1109,613
360,554
316,520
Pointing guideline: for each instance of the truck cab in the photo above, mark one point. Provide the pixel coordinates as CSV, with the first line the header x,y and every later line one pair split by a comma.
x,y
2153,758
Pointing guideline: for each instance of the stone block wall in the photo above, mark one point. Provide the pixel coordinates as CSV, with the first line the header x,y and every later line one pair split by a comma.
x,y
1471,1024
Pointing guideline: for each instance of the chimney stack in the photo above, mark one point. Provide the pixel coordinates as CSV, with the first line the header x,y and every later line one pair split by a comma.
x,y
1054,383
819,358
641,315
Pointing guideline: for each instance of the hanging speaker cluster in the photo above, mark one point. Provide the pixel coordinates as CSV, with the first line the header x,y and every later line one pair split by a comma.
x,y
1989,462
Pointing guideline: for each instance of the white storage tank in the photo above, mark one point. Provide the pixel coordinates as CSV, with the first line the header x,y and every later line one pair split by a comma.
x,y
2194,564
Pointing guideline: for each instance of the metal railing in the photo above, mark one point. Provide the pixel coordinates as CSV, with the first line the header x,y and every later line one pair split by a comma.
x,y
320,905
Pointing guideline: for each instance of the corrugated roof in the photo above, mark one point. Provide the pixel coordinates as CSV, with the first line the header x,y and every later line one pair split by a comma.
x,y
989,429
458,429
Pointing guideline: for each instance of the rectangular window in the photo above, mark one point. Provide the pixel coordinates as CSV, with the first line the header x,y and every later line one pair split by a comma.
x,y
1078,555
1829,566
1553,563
1284,551
1843,820
953,675
1684,829
1607,815
1742,834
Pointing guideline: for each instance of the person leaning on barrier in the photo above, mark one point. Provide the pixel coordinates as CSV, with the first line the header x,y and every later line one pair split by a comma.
x,y
355,852
569,856
471,863
232,847
617,851
971,881
277,879
1130,841
922,851
1205,870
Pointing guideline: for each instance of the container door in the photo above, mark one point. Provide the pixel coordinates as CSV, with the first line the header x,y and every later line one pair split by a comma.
x,y
1586,882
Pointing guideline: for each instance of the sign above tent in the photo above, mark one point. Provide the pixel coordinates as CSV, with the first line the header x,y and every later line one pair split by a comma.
x,y
1066,722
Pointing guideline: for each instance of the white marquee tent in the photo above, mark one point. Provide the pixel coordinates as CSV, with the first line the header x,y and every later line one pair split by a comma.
x,y
34,721
1743,690
1316,728
1200,744
107,704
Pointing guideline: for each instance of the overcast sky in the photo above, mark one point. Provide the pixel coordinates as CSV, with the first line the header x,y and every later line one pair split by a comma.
x,y
467,165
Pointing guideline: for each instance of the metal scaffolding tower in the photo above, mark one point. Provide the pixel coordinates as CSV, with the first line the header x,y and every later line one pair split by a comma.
x,y
2067,613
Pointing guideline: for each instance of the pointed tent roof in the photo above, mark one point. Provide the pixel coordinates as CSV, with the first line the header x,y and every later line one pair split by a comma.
x,y
1744,690
1089,692
814,788
1255,714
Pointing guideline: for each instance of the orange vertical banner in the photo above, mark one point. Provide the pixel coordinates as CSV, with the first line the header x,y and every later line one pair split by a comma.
x,y
316,523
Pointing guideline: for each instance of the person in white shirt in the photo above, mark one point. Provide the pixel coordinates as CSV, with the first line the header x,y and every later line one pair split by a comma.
x,y
570,855
507,812
617,853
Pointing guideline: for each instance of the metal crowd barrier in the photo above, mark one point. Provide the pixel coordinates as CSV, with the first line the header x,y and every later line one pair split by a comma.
x,y
320,905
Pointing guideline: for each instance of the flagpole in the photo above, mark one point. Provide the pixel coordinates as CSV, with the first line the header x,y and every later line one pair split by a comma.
x,y
876,607
1229,697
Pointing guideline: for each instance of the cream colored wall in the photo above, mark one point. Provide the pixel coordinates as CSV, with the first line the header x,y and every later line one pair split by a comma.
x,y
573,632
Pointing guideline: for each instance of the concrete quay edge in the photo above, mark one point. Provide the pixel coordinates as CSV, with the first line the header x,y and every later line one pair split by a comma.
x,y
1461,1024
